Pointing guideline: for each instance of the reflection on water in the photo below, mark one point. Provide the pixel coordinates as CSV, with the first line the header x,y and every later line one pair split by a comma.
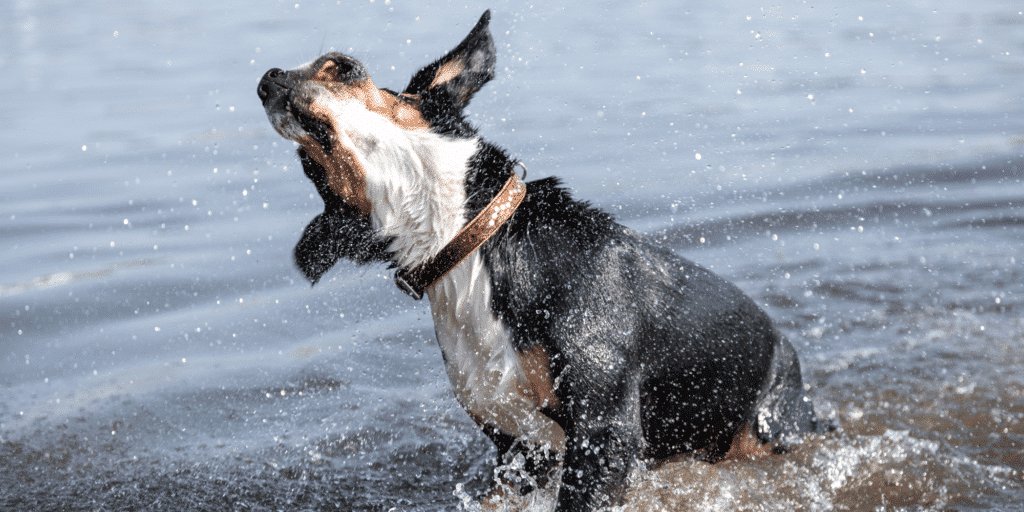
x,y
859,174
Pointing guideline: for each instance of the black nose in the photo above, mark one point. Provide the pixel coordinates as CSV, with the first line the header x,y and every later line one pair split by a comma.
x,y
272,84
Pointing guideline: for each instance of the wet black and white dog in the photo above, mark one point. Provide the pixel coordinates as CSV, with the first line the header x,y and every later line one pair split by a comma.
x,y
565,335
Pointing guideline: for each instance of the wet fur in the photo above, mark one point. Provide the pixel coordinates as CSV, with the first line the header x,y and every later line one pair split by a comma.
x,y
566,335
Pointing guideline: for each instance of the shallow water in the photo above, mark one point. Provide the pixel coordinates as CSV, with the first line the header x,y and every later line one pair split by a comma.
x,y
860,173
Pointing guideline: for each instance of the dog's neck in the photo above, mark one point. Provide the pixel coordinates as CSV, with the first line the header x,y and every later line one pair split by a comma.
x,y
416,184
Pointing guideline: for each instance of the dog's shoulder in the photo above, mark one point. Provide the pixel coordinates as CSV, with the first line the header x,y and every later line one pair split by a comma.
x,y
551,210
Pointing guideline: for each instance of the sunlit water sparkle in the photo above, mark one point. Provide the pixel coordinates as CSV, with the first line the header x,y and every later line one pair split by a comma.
x,y
856,169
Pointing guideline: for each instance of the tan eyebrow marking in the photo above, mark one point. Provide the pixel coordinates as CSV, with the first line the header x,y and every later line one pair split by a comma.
x,y
324,74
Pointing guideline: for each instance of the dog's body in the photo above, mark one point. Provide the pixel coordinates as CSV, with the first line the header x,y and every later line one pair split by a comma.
x,y
565,335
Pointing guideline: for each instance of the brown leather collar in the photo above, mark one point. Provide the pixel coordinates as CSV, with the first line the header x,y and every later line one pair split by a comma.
x,y
469,239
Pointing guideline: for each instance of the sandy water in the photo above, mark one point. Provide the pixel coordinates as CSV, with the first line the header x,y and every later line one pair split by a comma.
x,y
858,170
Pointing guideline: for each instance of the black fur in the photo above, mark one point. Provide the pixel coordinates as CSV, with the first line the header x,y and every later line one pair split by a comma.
x,y
476,56
653,355
656,355
339,232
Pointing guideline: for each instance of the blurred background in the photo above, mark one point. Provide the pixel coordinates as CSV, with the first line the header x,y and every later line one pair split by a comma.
x,y
856,169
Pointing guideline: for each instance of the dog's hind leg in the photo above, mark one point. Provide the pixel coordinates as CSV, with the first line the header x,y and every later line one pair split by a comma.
x,y
784,410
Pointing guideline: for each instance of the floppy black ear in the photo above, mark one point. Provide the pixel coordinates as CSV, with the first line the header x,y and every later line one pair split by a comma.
x,y
462,71
316,253
340,232
334,235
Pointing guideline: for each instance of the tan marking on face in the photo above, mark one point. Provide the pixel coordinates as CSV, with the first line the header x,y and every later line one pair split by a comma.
x,y
537,368
345,176
447,71
396,109
326,72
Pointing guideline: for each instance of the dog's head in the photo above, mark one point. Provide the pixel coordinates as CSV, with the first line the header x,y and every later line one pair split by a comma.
x,y
382,161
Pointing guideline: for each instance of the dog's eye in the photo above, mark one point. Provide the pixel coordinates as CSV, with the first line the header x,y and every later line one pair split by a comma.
x,y
342,68
335,70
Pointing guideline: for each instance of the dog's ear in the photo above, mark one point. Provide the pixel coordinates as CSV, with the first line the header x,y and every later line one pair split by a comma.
x,y
317,251
340,232
336,234
462,71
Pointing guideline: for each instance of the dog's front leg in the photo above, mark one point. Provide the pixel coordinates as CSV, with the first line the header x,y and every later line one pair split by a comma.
x,y
603,439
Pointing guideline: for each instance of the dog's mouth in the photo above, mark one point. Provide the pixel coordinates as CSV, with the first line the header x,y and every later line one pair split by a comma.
x,y
318,130
277,91
299,109
329,107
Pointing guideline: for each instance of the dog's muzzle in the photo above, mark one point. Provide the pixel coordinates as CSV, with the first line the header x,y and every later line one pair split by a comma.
x,y
274,85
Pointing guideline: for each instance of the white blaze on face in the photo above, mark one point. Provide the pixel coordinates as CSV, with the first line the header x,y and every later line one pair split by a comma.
x,y
414,178
384,160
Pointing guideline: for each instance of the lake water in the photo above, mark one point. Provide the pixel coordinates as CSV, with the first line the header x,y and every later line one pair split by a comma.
x,y
857,169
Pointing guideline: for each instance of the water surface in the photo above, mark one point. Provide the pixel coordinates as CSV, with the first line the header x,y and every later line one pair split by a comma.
x,y
856,169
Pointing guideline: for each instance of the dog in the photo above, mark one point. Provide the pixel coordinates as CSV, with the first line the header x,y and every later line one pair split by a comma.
x,y
568,338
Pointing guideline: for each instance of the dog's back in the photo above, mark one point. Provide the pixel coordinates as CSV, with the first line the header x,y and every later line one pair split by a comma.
x,y
616,308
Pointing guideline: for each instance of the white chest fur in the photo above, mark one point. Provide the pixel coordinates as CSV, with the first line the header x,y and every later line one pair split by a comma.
x,y
415,183
484,368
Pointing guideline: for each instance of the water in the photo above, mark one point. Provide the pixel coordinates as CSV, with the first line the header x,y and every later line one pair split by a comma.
x,y
857,169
